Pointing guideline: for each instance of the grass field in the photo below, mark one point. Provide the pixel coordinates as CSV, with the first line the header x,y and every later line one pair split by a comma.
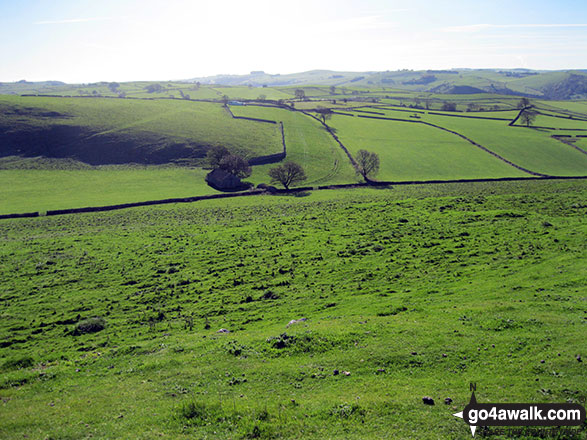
x,y
418,152
526,147
42,189
70,134
101,130
413,291
307,144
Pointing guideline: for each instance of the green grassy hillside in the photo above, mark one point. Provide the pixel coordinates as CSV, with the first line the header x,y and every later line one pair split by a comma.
x,y
527,147
410,151
103,131
26,190
68,134
111,323
307,144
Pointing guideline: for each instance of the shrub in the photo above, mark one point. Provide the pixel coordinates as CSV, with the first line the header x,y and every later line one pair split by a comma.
x,y
18,363
198,413
90,325
347,410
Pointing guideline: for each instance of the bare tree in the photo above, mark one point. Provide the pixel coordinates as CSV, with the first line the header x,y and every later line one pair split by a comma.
x,y
300,94
287,174
367,163
324,113
528,117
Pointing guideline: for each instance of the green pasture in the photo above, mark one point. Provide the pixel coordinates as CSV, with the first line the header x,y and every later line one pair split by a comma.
x,y
557,122
411,151
527,147
308,144
579,107
46,189
111,321
142,122
253,93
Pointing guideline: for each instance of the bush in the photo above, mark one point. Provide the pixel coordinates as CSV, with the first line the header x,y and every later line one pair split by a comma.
x,y
198,413
347,410
90,325
18,363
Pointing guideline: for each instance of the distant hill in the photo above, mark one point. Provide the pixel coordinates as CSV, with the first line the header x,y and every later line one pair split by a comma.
x,y
570,84
557,85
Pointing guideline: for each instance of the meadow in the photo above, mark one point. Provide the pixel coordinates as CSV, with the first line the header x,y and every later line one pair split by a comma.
x,y
31,190
309,314
173,321
105,131
55,149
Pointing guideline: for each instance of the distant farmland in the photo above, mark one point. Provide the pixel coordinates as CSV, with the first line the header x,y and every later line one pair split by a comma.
x,y
340,309
176,123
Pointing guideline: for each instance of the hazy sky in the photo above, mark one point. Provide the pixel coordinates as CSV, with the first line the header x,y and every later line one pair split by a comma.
x,y
123,40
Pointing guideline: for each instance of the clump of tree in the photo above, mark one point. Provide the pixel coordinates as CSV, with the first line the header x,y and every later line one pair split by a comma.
x,y
287,174
113,86
215,155
219,157
367,163
153,88
235,165
449,106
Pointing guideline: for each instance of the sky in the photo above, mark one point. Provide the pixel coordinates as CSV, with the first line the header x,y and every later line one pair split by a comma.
x,y
80,41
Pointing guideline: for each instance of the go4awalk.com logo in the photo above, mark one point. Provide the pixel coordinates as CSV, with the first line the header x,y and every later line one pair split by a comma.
x,y
520,414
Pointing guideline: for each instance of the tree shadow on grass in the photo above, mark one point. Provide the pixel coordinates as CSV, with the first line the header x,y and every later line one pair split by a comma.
x,y
295,194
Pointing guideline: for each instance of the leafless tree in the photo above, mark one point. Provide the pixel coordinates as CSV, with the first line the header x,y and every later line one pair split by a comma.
x,y
528,117
324,113
287,174
367,163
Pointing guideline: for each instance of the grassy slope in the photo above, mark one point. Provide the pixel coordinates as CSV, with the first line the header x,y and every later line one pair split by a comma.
x,y
307,144
554,122
253,92
526,147
435,286
419,152
195,123
574,106
41,190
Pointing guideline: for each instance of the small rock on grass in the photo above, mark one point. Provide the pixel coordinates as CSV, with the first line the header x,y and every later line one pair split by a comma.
x,y
428,400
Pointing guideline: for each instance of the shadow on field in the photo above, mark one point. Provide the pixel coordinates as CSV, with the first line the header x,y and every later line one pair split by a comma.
x,y
294,194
